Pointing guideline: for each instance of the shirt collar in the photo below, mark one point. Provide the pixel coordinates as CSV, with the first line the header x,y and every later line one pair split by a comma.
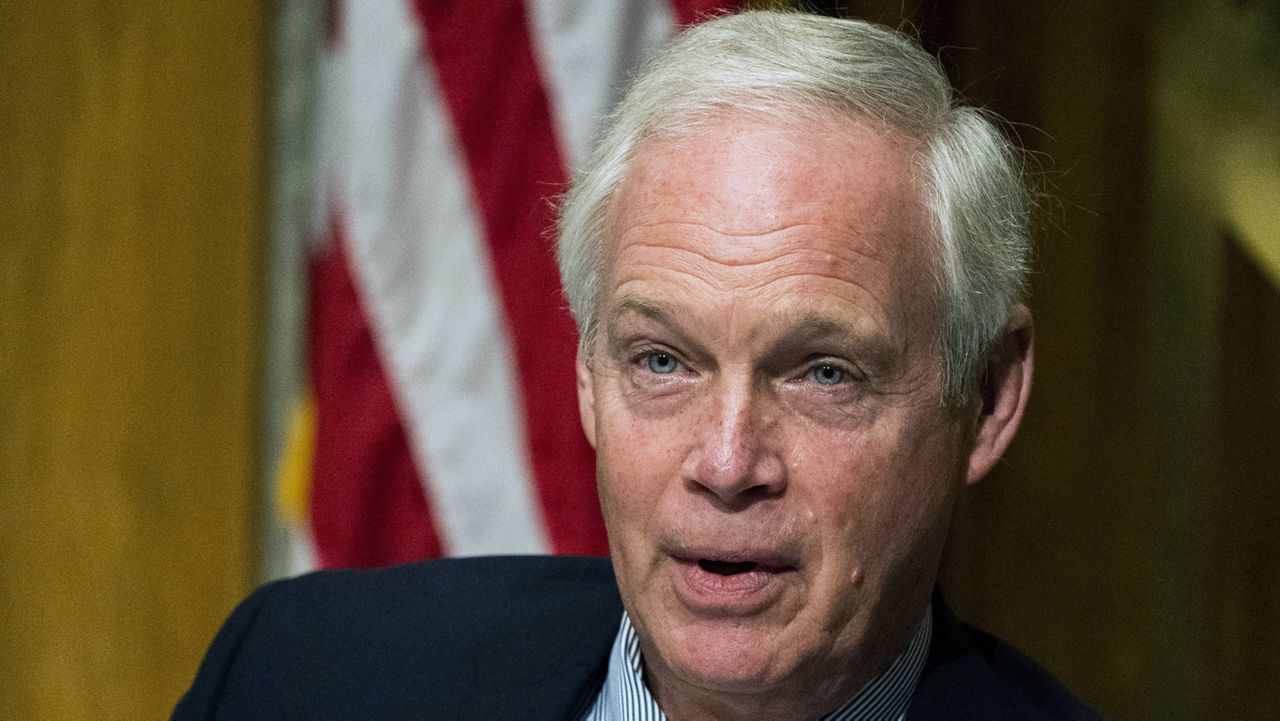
x,y
624,696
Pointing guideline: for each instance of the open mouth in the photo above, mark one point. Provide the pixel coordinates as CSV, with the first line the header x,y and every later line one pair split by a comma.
x,y
726,568
732,582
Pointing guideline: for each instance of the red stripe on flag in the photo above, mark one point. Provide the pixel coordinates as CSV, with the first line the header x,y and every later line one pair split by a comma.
x,y
688,12
367,503
488,73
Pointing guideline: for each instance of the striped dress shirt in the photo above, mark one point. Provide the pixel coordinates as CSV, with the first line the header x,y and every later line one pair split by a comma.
x,y
624,696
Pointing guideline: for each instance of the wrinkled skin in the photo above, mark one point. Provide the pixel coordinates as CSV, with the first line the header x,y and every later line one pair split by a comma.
x,y
763,395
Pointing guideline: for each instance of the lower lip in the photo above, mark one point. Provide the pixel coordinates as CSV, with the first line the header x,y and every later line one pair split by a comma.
x,y
741,593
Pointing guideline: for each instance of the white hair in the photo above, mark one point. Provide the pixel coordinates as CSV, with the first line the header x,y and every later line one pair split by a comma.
x,y
792,66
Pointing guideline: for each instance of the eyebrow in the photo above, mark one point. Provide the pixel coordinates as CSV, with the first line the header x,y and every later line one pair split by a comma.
x,y
875,351
650,309
660,313
822,327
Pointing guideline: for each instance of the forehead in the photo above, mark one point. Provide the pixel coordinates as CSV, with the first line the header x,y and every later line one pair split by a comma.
x,y
747,199
749,175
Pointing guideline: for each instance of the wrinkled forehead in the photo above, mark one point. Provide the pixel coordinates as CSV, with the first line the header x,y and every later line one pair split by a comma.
x,y
750,177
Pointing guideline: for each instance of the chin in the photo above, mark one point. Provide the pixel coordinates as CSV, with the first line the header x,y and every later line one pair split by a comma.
x,y
729,658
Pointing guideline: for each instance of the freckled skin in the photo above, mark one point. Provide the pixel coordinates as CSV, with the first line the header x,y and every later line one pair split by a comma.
x,y
747,264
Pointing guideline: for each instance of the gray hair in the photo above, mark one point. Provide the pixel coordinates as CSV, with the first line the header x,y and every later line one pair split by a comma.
x,y
792,66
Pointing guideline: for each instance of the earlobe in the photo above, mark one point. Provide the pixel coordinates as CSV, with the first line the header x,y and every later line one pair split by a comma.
x,y
586,398
1005,389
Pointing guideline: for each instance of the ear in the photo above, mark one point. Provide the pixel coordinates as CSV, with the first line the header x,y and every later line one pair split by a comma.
x,y
586,398
1006,385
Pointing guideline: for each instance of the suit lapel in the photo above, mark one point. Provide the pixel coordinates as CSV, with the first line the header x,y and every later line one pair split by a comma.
x,y
551,671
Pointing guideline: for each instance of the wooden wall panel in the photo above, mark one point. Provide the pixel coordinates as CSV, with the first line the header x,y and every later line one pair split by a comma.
x,y
1245,646
1116,543
131,140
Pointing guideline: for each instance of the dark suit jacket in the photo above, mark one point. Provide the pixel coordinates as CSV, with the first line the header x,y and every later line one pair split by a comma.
x,y
507,638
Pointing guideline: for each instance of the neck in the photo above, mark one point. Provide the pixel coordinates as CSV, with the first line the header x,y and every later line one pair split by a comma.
x,y
884,673
710,706
684,701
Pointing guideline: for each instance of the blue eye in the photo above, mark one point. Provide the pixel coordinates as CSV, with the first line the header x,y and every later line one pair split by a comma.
x,y
828,375
661,363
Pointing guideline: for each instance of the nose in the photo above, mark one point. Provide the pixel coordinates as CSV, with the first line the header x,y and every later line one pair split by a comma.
x,y
734,460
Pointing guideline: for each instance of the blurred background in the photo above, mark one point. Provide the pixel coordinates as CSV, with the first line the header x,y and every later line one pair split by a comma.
x,y
195,248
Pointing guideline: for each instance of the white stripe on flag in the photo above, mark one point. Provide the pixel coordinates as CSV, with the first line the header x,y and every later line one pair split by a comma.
x,y
586,49
333,146
425,280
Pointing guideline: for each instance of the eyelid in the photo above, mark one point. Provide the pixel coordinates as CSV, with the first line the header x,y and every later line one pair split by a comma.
x,y
812,363
648,350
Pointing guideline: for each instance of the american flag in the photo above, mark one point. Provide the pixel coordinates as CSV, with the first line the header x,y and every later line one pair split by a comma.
x,y
440,416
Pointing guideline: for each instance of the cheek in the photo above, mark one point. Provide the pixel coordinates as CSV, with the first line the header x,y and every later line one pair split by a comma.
x,y
638,459
876,490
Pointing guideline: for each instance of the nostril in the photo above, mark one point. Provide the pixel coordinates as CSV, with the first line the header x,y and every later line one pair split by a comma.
x,y
726,568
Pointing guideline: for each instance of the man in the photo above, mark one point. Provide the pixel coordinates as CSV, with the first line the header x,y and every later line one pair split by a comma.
x,y
795,264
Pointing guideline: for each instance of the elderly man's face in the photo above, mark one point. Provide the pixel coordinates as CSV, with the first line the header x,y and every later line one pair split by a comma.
x,y
776,469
